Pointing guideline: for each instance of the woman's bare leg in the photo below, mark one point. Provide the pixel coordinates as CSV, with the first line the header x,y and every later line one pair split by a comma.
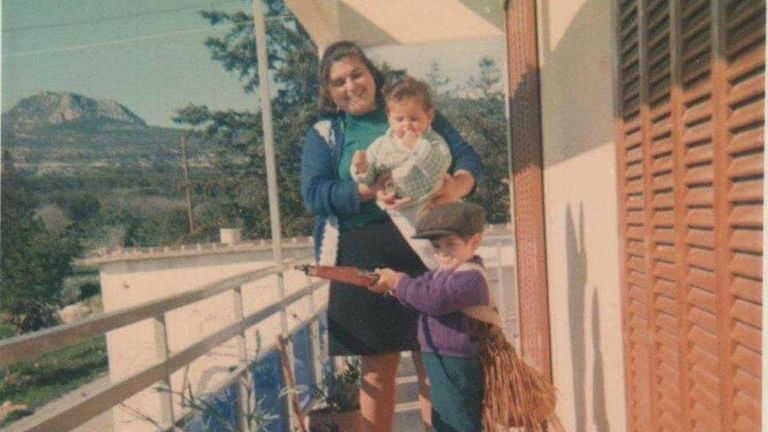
x,y
424,401
377,393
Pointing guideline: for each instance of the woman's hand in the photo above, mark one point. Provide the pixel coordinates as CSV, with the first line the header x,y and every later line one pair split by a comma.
x,y
454,188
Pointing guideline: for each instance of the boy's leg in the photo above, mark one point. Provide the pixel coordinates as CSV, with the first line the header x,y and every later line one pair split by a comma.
x,y
424,401
377,393
456,389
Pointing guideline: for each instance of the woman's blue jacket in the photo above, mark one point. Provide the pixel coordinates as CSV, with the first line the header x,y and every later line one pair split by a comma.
x,y
328,197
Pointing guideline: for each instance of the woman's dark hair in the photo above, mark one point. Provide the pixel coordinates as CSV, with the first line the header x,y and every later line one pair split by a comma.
x,y
334,53
401,86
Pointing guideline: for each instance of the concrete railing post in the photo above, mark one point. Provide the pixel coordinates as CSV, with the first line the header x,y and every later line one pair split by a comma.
x,y
162,353
245,391
314,337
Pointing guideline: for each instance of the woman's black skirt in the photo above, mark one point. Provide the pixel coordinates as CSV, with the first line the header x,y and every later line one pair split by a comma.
x,y
364,323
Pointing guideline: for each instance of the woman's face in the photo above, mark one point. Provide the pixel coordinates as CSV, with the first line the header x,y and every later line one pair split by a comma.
x,y
351,86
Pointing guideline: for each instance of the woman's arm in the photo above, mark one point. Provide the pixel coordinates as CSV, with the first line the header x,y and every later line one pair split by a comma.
x,y
466,168
323,192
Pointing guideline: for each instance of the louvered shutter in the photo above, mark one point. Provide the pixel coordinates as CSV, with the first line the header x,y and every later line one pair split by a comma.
x,y
690,167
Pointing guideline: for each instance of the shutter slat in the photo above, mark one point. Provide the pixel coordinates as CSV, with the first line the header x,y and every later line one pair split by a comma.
x,y
747,382
704,300
746,335
701,278
747,240
746,140
747,359
749,165
750,289
703,318
747,264
699,154
747,215
747,312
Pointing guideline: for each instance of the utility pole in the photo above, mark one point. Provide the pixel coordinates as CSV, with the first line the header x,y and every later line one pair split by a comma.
x,y
187,184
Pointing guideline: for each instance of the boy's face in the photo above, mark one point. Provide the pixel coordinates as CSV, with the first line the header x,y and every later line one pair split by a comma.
x,y
408,115
452,251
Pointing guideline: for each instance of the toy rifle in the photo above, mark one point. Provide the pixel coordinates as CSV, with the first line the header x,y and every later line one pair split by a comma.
x,y
347,275
515,395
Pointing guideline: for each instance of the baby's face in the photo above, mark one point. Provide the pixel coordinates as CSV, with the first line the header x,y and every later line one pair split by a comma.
x,y
408,115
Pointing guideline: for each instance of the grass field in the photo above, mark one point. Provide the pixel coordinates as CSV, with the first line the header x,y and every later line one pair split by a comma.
x,y
41,380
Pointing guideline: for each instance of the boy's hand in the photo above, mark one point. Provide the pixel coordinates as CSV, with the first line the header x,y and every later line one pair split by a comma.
x,y
388,280
359,162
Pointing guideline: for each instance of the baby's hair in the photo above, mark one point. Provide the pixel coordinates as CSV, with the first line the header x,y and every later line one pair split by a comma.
x,y
403,87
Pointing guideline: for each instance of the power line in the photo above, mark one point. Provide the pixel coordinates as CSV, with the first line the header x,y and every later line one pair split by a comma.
x,y
105,43
123,41
110,19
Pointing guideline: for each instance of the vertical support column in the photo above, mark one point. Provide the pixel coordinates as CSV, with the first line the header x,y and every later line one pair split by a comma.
x,y
680,192
161,347
260,35
648,229
501,295
245,396
723,207
527,170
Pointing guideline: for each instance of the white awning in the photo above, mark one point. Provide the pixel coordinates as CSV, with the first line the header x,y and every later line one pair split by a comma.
x,y
393,22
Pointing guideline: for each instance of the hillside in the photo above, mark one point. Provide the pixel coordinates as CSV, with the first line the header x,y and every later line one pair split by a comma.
x,y
63,132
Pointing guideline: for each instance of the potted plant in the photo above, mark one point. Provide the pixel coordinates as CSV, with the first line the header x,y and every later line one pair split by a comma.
x,y
338,398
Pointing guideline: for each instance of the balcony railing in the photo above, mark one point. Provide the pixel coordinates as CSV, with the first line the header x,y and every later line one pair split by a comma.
x,y
497,249
38,343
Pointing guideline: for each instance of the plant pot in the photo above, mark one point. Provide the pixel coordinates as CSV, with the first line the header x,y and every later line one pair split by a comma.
x,y
327,420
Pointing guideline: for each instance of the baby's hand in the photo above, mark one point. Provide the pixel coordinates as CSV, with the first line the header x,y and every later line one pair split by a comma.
x,y
410,138
388,280
359,162
389,201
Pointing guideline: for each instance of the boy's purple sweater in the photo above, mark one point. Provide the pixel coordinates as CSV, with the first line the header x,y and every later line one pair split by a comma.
x,y
440,296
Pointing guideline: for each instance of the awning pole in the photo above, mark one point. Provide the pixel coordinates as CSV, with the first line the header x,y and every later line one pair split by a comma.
x,y
259,32
269,139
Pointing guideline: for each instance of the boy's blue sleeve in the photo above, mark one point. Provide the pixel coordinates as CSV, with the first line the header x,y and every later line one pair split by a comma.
x,y
323,192
464,155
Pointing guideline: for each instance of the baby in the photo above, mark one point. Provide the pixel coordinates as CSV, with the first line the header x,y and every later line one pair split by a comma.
x,y
415,157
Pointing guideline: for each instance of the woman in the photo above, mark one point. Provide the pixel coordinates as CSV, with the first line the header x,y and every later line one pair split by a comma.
x,y
351,230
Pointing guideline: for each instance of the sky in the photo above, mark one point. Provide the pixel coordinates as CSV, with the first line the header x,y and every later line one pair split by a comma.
x,y
149,55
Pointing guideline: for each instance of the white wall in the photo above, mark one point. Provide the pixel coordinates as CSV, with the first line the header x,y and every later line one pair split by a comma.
x,y
576,57
128,282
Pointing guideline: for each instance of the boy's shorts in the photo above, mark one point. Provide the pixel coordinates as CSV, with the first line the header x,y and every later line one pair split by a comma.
x,y
456,390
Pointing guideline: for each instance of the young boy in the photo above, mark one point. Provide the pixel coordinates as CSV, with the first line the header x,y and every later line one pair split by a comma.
x,y
416,157
445,333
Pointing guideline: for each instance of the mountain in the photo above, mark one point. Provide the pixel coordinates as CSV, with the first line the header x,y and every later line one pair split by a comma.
x,y
49,109
53,131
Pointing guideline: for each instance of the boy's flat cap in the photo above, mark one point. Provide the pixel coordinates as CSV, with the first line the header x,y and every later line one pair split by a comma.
x,y
459,218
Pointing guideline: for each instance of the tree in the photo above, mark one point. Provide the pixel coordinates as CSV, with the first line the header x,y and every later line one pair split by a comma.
x,y
34,262
238,188
437,82
486,84
236,194
482,122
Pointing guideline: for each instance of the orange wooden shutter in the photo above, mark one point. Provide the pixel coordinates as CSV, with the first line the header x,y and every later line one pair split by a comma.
x,y
690,167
